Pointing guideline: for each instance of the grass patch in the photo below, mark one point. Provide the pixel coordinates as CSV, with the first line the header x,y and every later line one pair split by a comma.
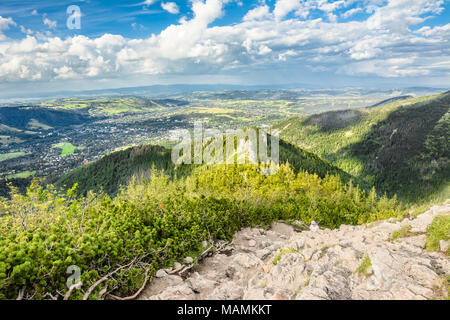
x,y
366,264
282,253
323,251
437,231
67,148
403,232
308,281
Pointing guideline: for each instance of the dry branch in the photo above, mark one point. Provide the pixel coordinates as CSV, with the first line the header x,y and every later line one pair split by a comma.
x,y
69,292
103,279
134,296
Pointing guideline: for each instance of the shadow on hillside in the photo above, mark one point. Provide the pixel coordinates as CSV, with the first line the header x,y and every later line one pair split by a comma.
x,y
333,120
409,151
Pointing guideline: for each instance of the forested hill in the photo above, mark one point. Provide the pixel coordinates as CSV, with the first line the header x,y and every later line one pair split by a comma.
x,y
402,147
116,169
25,117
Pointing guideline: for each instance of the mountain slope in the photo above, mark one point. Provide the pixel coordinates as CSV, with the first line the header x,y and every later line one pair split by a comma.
x,y
401,147
116,169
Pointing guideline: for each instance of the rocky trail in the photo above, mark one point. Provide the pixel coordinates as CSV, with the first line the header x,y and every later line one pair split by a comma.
x,y
352,262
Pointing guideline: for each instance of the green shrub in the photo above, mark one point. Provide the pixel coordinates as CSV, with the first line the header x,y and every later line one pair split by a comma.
x,y
155,223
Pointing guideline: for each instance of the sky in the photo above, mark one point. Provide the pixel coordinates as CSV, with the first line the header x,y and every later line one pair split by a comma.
x,y
363,43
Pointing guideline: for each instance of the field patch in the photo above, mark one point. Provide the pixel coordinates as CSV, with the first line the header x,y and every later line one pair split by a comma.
x,y
21,175
36,125
11,155
8,140
67,148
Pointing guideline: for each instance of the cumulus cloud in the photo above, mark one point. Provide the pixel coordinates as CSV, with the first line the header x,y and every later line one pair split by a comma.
x,y
284,7
378,46
398,15
170,7
259,13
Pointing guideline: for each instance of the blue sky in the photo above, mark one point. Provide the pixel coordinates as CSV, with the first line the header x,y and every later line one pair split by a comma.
x,y
129,43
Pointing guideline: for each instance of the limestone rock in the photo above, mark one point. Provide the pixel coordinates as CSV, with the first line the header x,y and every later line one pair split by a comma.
x,y
188,260
161,274
352,262
444,245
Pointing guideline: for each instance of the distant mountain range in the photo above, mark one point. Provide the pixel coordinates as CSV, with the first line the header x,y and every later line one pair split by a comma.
x,y
177,89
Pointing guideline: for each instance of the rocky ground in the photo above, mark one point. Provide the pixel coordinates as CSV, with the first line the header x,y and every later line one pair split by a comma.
x,y
361,262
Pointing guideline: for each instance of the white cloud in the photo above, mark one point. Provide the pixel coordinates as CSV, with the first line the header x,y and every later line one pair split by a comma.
x,y
259,13
441,31
51,24
5,23
137,26
26,31
284,7
148,2
389,68
170,7
289,53
377,46
351,12
398,15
